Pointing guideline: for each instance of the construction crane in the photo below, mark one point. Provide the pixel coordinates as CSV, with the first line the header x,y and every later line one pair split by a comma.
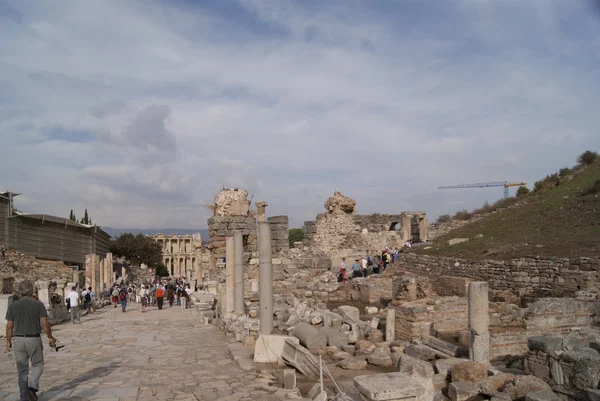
x,y
504,184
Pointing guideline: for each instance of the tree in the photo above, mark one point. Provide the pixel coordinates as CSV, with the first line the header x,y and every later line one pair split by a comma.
x,y
86,219
72,216
295,235
137,249
444,218
162,271
522,191
587,158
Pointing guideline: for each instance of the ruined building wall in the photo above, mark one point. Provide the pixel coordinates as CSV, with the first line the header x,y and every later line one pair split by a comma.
x,y
279,234
220,227
541,277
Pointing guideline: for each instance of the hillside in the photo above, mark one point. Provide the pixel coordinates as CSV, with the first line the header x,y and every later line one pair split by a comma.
x,y
561,220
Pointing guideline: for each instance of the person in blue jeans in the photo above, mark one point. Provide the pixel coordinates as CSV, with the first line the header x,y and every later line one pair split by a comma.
x,y
123,298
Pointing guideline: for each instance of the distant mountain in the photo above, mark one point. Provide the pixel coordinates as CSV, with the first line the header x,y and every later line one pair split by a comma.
x,y
115,232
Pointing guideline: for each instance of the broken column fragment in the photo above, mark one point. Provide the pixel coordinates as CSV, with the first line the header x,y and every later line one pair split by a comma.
x,y
310,337
479,321
229,274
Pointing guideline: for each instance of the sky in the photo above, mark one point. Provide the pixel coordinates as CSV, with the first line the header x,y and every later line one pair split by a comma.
x,y
142,111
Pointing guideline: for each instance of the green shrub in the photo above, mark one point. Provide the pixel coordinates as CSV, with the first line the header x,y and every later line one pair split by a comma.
x,y
504,203
538,185
444,218
295,235
486,208
587,158
462,215
522,191
563,172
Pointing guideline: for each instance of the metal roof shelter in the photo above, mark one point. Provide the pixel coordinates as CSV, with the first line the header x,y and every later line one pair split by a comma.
x,y
48,237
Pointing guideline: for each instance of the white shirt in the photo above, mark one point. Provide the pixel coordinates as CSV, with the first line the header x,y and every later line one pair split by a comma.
x,y
363,262
73,296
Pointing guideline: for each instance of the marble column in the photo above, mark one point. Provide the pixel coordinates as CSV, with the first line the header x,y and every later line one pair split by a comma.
x,y
238,246
479,322
229,274
265,278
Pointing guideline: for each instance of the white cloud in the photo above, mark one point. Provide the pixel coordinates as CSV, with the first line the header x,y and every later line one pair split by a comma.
x,y
142,111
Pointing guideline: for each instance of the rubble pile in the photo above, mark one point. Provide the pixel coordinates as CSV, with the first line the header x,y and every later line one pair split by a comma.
x,y
340,203
23,267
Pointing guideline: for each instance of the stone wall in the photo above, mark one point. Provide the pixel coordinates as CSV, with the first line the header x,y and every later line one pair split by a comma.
x,y
220,227
427,316
536,277
279,234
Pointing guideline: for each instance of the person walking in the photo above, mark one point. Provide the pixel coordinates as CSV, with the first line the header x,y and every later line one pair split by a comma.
x,y
170,295
356,269
115,295
144,298
123,299
159,297
25,320
73,297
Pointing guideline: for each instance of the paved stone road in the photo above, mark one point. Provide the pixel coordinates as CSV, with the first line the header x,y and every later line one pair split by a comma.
x,y
159,355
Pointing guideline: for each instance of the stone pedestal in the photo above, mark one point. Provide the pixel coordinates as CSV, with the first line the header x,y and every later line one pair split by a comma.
x,y
238,246
479,321
229,275
265,279
44,292
5,301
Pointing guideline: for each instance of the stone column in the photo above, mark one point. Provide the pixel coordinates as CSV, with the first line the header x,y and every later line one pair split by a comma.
x,y
406,227
260,211
60,288
123,273
238,247
265,278
423,234
390,325
229,274
479,321
102,271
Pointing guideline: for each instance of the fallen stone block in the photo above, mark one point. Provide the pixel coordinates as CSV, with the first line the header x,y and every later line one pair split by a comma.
x,y
351,349
462,391
269,348
442,346
353,363
469,372
419,352
389,386
299,357
544,343
493,384
543,395
334,337
310,337
419,370
524,385
444,366
380,357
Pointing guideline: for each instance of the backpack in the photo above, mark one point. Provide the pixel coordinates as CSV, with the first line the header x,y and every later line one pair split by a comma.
x,y
129,290
340,278
87,297
122,295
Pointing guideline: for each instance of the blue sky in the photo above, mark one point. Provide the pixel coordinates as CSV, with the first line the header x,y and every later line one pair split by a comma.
x,y
142,111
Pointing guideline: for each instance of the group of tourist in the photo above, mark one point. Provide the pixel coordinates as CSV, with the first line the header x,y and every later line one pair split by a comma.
x,y
369,264
152,293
